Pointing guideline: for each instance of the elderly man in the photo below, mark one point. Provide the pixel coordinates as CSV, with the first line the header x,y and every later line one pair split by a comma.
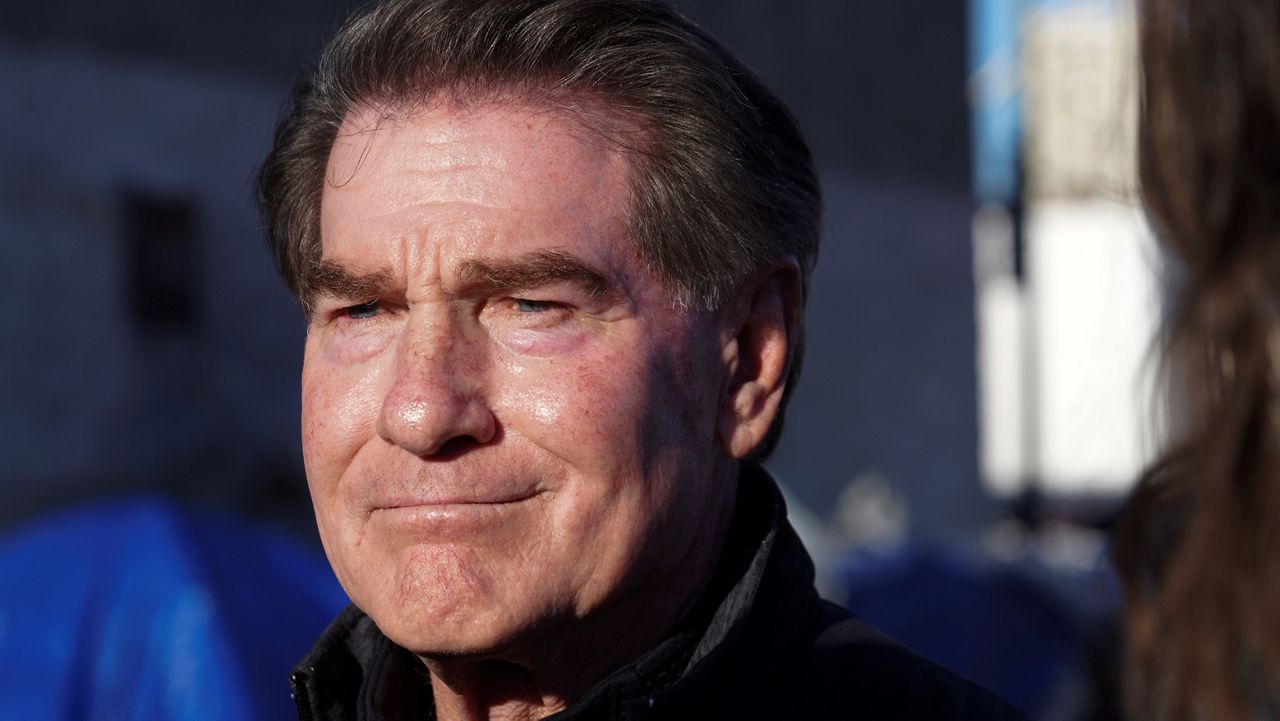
x,y
554,254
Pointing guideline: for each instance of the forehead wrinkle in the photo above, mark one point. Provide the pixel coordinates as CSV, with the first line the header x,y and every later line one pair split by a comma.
x,y
374,141
381,134
583,117
590,117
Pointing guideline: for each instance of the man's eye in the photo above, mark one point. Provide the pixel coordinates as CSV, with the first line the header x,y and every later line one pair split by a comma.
x,y
533,306
362,311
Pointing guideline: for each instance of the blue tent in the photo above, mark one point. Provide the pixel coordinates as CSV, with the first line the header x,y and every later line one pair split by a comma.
x,y
1000,624
140,610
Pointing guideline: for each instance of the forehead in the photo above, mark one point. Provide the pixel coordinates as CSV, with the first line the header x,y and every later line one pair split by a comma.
x,y
503,177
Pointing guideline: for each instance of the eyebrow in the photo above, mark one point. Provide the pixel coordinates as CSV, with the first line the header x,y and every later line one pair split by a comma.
x,y
534,270
475,277
332,279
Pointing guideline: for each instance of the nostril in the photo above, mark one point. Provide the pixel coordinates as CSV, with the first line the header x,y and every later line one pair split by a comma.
x,y
455,447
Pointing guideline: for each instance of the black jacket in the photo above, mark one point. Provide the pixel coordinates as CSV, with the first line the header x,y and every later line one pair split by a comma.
x,y
759,644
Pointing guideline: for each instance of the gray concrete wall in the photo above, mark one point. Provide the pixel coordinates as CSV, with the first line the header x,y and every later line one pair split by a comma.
x,y
93,401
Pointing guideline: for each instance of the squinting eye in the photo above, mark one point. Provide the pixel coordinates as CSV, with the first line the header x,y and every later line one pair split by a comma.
x,y
533,306
362,311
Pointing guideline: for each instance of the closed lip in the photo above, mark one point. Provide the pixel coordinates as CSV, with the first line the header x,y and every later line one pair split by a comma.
x,y
496,500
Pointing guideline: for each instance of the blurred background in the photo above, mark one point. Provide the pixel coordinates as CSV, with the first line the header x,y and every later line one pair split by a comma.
x,y
978,392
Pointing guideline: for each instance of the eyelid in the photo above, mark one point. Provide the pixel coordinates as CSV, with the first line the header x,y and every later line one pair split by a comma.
x,y
540,298
543,306
332,308
562,292
507,307
371,306
326,303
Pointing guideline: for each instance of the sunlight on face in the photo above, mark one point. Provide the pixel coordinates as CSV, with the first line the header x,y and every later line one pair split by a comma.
x,y
506,421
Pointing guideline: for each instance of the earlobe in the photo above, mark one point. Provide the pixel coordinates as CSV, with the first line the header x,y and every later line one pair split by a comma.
x,y
742,426
762,329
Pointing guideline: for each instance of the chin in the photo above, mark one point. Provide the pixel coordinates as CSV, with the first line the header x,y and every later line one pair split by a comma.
x,y
441,606
434,637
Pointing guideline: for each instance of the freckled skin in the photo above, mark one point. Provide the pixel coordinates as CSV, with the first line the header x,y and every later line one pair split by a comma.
x,y
544,489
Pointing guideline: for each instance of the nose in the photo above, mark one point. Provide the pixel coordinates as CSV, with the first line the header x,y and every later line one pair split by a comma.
x,y
436,405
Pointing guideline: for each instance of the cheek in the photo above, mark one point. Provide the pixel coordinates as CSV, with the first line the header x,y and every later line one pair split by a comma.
x,y
611,411
340,406
543,407
571,401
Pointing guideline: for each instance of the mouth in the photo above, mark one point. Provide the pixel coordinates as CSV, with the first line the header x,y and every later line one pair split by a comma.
x,y
448,519
453,502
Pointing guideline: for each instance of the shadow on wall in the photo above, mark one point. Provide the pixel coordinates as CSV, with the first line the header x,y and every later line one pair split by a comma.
x,y
156,349
888,386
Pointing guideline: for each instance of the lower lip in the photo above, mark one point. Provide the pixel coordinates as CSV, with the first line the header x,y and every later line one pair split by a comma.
x,y
446,521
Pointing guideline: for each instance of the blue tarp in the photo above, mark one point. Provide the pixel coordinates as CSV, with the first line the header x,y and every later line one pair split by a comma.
x,y
140,610
998,624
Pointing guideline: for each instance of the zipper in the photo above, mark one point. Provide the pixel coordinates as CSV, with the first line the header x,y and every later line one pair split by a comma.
x,y
298,684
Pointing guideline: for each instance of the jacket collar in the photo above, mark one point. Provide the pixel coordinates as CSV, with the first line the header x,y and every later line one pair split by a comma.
x,y
759,597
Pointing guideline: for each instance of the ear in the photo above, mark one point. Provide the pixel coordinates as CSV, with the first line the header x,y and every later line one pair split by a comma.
x,y
760,331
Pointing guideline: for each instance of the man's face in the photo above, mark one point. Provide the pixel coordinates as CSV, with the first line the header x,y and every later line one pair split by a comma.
x,y
506,422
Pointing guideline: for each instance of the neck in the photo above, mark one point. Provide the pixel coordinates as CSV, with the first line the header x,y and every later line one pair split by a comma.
x,y
489,690
546,677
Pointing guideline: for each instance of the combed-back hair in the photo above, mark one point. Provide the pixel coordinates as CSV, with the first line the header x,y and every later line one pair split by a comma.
x,y
1199,546
722,182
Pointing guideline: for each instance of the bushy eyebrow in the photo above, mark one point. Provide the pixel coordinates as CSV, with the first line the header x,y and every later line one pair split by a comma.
x,y
475,277
533,270
332,279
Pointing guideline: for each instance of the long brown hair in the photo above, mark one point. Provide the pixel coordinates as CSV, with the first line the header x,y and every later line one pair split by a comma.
x,y
1197,547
